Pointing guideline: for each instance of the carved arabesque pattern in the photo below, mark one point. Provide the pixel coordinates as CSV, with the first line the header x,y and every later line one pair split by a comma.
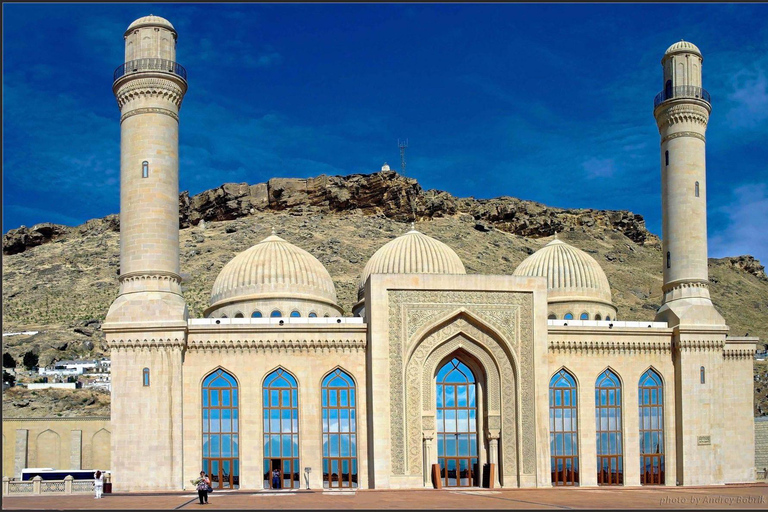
x,y
509,313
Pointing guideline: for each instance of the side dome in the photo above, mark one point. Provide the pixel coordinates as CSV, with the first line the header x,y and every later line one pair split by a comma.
x,y
274,274
411,253
576,283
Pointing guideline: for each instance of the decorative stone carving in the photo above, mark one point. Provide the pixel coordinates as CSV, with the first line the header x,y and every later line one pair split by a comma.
x,y
149,110
684,134
610,346
152,87
510,314
683,112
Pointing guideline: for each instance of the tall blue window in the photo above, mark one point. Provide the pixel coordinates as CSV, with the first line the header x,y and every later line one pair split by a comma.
x,y
145,376
281,431
610,460
563,429
457,425
651,403
339,430
221,430
145,169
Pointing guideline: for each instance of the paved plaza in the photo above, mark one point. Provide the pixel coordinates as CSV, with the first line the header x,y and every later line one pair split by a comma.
x,y
733,497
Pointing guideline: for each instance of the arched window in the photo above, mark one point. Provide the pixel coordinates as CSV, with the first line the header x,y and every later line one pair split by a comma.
x,y
295,314
552,316
223,316
669,260
666,158
221,450
607,318
563,429
598,317
281,431
696,187
702,374
457,425
238,315
325,315
584,316
276,314
339,430
313,315
145,169
256,314
610,460
668,89
651,402
145,376
568,316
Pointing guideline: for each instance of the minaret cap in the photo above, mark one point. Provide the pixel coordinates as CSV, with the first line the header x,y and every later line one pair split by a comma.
x,y
682,47
385,167
151,21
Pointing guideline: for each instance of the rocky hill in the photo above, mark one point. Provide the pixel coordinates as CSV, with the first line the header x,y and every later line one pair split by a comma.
x,y
60,280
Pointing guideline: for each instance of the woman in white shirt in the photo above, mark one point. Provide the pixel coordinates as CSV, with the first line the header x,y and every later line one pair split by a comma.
x,y
98,483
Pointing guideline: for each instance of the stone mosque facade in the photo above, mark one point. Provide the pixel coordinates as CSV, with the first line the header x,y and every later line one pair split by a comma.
x,y
523,380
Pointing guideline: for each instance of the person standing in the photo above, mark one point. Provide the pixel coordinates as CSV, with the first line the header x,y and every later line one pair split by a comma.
x,y
276,479
98,484
202,484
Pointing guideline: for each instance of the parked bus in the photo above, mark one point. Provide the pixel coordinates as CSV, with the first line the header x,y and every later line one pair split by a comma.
x,y
58,474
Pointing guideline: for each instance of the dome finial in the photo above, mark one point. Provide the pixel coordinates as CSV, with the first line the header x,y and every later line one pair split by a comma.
x,y
413,226
273,231
555,235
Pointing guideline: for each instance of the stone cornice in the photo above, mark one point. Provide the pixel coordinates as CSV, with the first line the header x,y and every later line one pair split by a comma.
x,y
609,346
675,135
146,343
741,353
700,345
283,345
159,87
681,113
150,110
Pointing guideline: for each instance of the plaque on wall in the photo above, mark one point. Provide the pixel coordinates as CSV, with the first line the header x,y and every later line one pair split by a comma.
x,y
703,440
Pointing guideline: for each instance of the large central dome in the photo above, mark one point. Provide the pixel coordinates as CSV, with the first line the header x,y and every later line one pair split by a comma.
x,y
576,283
412,253
273,270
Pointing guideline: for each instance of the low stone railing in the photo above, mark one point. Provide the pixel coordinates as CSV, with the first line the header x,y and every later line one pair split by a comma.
x,y
38,486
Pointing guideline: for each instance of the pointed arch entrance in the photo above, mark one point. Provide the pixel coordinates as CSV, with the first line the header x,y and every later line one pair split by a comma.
x,y
456,417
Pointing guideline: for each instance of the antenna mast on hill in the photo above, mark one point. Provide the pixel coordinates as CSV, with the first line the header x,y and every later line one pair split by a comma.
x,y
402,146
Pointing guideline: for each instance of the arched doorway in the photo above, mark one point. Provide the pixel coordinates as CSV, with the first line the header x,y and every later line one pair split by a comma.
x,y
281,431
456,395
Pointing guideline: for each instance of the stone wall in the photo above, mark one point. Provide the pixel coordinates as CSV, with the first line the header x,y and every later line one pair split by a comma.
x,y
59,443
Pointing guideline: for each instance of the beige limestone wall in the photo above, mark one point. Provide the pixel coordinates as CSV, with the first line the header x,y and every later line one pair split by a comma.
x,y
249,353
150,42
60,443
146,420
761,444
483,310
586,352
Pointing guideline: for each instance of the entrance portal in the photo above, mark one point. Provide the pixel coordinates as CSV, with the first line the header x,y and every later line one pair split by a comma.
x,y
457,425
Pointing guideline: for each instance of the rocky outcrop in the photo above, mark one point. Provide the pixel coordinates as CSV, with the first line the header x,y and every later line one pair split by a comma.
x,y
746,263
20,239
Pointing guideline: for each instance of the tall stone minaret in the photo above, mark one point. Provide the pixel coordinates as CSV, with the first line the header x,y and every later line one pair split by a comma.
x,y
682,111
147,323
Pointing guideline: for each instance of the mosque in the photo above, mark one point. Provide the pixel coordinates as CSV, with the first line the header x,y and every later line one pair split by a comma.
x,y
439,378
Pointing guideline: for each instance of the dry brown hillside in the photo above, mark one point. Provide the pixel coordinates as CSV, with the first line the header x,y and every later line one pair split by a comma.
x,y
60,279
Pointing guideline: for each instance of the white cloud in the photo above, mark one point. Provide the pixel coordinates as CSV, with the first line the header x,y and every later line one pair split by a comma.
x,y
746,231
749,94
599,168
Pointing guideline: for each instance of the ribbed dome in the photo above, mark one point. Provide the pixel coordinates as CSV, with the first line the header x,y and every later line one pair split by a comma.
x,y
151,20
412,253
571,273
682,46
273,268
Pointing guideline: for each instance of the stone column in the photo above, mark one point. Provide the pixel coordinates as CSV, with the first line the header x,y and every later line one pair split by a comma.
x,y
68,484
36,481
493,454
6,485
427,454
22,451
76,450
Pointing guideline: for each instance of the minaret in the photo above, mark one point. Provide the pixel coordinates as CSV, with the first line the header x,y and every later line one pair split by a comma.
x,y
682,111
147,323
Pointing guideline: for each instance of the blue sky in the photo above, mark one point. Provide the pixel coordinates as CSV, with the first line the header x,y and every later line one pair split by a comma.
x,y
551,103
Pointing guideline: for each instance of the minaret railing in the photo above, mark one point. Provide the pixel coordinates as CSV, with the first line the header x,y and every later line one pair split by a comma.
x,y
150,64
682,91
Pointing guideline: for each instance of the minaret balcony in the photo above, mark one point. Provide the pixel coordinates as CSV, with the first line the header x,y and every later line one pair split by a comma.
x,y
150,64
681,92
